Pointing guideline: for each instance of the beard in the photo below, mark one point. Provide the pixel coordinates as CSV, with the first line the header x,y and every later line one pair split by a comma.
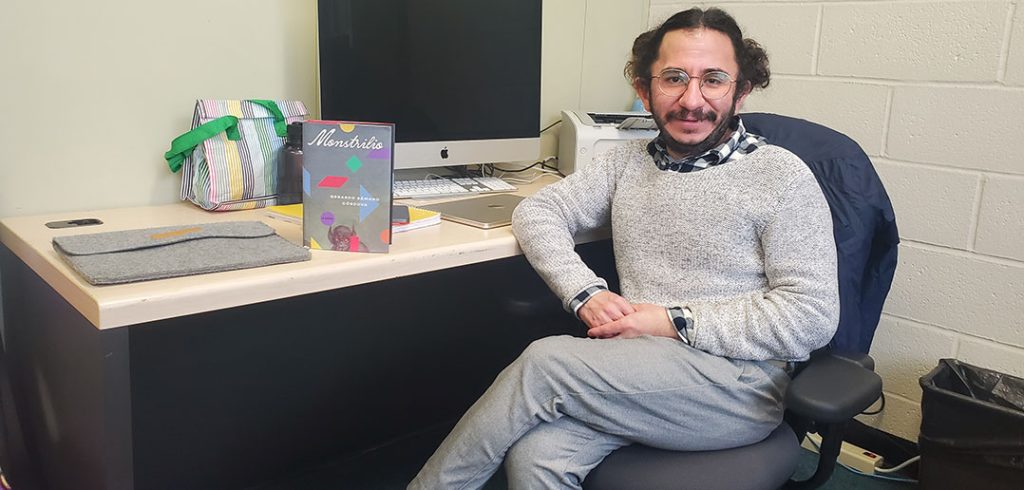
x,y
713,139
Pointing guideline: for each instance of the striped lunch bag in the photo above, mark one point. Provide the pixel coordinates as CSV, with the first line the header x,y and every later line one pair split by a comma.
x,y
229,160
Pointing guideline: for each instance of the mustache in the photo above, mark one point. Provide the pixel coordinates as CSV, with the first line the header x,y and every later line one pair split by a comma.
x,y
699,114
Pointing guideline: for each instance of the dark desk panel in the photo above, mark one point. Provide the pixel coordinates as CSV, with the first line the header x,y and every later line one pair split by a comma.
x,y
232,398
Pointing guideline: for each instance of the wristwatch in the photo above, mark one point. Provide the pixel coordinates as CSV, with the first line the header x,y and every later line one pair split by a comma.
x,y
682,319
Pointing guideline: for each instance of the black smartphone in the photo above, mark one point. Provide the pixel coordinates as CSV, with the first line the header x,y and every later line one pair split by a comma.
x,y
399,214
72,223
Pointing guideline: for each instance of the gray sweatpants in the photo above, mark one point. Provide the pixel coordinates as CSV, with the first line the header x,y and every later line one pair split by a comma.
x,y
566,403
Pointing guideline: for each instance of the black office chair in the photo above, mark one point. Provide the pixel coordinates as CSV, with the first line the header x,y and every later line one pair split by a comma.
x,y
838,382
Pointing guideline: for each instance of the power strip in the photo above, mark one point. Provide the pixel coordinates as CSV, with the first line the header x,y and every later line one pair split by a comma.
x,y
855,457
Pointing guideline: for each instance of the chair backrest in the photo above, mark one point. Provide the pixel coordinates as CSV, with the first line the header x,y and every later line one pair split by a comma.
x,y
863,221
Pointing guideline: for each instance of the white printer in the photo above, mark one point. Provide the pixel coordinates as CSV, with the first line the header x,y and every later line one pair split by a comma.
x,y
584,134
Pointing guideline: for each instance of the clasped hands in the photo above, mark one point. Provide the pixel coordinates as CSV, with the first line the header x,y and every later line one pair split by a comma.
x,y
608,315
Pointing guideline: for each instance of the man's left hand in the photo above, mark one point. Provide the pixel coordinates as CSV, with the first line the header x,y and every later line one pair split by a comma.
x,y
647,320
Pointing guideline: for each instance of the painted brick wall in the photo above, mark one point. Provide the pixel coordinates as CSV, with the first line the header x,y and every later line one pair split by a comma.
x,y
934,92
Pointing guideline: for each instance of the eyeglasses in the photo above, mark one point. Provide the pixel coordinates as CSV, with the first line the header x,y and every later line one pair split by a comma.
x,y
674,82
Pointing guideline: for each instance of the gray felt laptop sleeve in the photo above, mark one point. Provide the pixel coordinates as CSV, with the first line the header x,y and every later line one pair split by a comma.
x,y
156,253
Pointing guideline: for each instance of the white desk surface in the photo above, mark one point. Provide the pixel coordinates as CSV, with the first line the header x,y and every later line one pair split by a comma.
x,y
413,252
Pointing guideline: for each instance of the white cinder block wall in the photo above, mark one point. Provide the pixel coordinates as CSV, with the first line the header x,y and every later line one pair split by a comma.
x,y
934,92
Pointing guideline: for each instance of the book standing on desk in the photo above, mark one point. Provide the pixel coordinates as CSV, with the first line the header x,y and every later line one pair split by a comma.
x,y
346,181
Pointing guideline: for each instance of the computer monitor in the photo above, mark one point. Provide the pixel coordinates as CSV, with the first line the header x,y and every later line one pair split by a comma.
x,y
459,78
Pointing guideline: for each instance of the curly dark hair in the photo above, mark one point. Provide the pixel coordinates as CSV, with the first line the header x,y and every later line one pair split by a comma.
x,y
750,56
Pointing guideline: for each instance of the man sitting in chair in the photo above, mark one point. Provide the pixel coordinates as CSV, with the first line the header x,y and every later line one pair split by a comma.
x,y
725,252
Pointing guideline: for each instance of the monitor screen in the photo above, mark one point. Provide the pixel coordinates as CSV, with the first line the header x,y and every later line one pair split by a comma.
x,y
459,78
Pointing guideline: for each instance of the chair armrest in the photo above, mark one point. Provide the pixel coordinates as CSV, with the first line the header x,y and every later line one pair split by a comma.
x,y
832,389
863,359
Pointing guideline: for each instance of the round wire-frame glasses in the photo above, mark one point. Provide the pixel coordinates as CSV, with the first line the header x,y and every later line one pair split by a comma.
x,y
673,82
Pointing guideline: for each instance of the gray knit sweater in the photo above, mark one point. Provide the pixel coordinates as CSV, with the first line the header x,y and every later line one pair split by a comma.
x,y
747,246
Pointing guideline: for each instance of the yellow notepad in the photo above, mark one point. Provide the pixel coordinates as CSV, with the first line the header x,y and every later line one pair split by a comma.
x,y
418,218
291,213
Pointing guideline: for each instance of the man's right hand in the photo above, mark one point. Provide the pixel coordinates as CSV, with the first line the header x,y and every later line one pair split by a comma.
x,y
604,307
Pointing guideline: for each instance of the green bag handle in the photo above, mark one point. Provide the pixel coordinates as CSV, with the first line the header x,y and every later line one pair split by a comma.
x,y
183,145
280,125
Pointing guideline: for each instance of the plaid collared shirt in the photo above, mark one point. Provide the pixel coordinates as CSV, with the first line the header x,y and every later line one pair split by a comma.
x,y
740,143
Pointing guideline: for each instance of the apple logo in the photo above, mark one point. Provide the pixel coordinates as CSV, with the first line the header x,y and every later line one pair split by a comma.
x,y
444,153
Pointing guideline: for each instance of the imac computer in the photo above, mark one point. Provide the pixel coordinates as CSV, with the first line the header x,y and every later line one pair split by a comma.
x,y
460,79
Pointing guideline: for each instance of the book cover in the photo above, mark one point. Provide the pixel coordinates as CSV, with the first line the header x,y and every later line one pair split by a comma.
x,y
346,181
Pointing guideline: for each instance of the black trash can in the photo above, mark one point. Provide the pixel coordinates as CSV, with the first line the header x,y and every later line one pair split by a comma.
x,y
972,428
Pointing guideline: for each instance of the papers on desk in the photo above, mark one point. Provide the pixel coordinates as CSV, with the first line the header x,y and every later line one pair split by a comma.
x,y
417,218
406,218
291,213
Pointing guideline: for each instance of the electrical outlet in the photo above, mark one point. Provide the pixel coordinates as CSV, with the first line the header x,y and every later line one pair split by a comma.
x,y
850,455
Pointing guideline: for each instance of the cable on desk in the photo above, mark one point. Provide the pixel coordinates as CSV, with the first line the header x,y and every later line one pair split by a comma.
x,y
510,171
540,174
551,126
543,164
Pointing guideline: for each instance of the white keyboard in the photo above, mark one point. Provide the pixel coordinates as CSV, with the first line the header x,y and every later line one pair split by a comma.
x,y
451,186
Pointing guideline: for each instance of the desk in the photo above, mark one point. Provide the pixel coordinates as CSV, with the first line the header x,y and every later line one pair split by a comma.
x,y
227,380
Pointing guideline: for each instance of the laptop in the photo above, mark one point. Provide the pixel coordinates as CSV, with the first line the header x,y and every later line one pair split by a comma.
x,y
485,212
